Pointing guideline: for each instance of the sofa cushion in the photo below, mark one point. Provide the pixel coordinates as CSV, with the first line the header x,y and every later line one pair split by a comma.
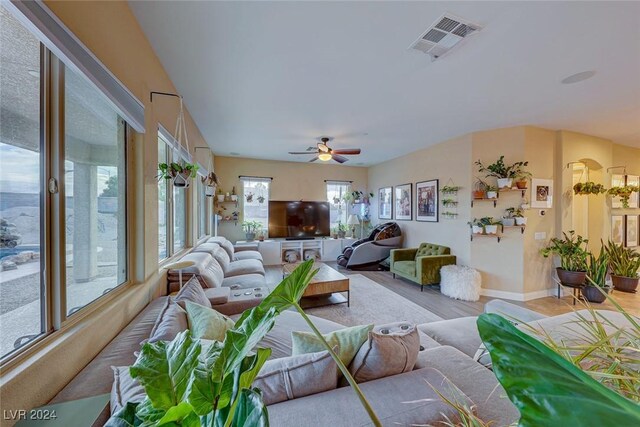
x,y
245,266
217,296
192,291
208,248
245,281
348,340
461,333
400,400
171,321
407,268
223,258
247,255
429,249
207,323
390,350
206,268
124,389
296,376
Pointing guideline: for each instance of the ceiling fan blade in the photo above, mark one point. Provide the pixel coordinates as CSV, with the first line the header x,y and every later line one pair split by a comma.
x,y
347,151
323,147
338,158
302,152
314,159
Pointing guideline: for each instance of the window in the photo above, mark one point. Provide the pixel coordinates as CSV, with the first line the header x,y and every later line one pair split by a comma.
x,y
179,218
336,191
163,204
21,184
256,200
202,207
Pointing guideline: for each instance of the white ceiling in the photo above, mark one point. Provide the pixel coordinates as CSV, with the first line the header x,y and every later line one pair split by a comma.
x,y
264,78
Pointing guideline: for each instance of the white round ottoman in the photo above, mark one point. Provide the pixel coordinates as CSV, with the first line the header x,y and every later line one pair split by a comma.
x,y
460,282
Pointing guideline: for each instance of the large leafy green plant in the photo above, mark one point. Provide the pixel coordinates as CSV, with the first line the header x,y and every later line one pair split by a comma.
x,y
187,386
623,261
499,169
571,249
597,269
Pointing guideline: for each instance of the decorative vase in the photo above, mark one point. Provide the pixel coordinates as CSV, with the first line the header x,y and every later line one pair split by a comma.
x,y
508,222
522,184
492,194
479,194
476,229
625,284
250,236
505,182
593,294
491,229
573,278
521,220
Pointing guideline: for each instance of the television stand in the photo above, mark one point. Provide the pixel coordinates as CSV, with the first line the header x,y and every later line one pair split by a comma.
x,y
300,238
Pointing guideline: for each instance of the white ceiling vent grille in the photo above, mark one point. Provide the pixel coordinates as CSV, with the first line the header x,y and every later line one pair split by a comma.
x,y
443,35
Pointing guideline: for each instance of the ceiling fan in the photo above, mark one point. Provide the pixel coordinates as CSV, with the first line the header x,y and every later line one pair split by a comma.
x,y
324,153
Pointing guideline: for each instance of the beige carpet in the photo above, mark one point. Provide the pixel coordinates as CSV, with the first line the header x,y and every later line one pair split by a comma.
x,y
373,303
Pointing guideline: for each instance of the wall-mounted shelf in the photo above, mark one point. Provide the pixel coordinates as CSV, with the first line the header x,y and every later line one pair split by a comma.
x,y
495,236
227,202
494,200
522,191
521,227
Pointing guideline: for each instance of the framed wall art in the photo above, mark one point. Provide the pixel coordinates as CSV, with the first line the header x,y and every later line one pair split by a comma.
x,y
385,203
541,193
403,199
618,234
427,200
631,230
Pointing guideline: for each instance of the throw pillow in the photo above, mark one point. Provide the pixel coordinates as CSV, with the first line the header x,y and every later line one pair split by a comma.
x,y
390,350
348,341
296,376
171,321
124,389
205,322
192,291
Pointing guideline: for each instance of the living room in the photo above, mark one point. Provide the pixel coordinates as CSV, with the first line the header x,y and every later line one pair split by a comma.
x,y
340,132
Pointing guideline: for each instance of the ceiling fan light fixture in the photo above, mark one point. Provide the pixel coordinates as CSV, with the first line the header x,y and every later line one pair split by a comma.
x,y
325,157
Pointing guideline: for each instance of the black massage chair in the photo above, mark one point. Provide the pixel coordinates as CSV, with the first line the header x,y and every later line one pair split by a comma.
x,y
374,248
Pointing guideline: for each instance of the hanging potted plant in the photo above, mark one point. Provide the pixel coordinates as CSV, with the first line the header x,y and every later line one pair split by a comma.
x,y
589,187
250,228
572,251
220,195
479,189
211,182
596,288
502,172
179,173
625,265
492,192
234,195
508,220
624,193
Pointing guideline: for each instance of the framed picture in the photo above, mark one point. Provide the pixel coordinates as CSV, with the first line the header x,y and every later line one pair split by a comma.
x,y
427,201
541,193
385,203
631,227
617,180
403,199
633,200
617,229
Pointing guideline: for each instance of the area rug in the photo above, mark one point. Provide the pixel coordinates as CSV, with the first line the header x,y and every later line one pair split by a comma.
x,y
373,303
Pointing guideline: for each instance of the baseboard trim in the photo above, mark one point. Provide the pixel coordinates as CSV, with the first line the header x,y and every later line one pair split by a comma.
x,y
518,296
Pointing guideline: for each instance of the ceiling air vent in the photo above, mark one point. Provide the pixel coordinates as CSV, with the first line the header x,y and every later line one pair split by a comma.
x,y
443,35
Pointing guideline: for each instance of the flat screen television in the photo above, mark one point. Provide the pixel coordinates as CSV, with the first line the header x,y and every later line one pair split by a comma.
x,y
298,219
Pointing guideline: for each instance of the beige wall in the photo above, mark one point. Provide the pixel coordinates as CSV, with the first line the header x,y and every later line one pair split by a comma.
x,y
291,181
111,32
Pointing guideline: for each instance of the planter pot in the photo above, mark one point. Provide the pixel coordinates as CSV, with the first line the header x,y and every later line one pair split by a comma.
x,y
508,222
477,230
234,198
479,194
520,220
625,284
521,184
341,234
209,191
491,229
594,294
182,180
505,182
250,236
492,194
574,278
221,198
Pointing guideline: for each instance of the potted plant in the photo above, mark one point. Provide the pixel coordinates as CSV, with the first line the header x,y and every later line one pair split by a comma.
x,y
522,179
490,225
508,220
624,193
250,228
502,172
596,288
589,187
492,192
624,264
211,182
448,203
234,195
519,217
571,250
450,189
342,230
180,174
477,227
479,189
220,195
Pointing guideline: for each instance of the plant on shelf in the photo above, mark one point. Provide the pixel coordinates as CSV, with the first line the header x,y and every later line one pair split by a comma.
x,y
624,193
572,251
502,172
477,227
449,203
179,173
518,215
250,228
624,264
521,179
220,195
490,225
596,288
479,189
234,195
188,384
492,192
589,187
450,189
449,215
508,219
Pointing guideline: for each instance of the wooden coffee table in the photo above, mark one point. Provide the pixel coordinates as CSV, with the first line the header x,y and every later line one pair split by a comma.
x,y
325,288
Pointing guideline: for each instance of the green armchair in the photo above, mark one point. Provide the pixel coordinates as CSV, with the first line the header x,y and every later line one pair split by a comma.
x,y
421,265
